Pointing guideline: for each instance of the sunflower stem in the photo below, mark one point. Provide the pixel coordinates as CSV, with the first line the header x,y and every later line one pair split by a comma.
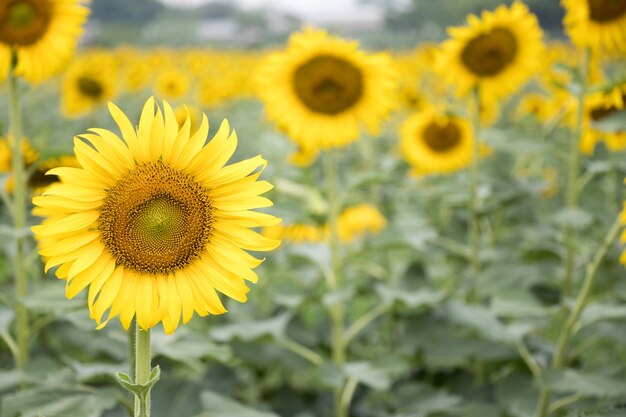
x,y
473,230
334,282
572,176
142,370
570,327
19,219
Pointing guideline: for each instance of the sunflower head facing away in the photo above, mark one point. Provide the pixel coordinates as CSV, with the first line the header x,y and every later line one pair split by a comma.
x,y
496,53
600,106
321,89
156,223
436,143
42,33
597,24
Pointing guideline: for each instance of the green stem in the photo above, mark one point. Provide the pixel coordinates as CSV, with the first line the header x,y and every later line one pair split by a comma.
x,y
473,230
142,370
572,177
19,220
346,397
302,351
361,323
132,345
334,281
571,324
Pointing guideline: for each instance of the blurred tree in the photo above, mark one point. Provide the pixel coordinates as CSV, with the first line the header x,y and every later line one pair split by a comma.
x,y
217,10
453,12
137,12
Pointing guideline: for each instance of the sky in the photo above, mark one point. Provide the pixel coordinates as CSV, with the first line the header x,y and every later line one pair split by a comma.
x,y
308,10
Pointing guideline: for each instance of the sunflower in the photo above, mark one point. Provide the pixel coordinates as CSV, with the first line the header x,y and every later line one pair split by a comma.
x,y
436,143
597,24
295,233
321,89
496,53
29,154
90,81
38,181
598,107
356,221
172,83
303,157
42,33
155,224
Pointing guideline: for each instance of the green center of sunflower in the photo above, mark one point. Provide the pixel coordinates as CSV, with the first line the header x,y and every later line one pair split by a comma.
x,y
24,22
156,219
442,137
606,10
489,54
327,84
90,87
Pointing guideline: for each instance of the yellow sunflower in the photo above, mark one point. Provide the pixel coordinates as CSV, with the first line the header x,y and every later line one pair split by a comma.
x,y
598,107
38,181
357,221
43,34
321,89
29,154
496,53
155,224
598,24
295,233
436,143
89,82
172,83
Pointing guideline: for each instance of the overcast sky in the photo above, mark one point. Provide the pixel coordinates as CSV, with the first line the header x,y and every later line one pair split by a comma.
x,y
307,9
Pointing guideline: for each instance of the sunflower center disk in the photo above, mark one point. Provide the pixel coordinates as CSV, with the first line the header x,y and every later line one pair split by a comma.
x,y
328,85
156,219
606,10
489,54
90,87
442,138
24,22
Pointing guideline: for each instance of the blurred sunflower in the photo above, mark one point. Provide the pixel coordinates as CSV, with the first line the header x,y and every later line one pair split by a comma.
x,y
295,233
212,90
303,157
39,181
357,221
89,82
155,224
598,107
29,154
173,83
435,143
598,24
321,89
496,53
42,33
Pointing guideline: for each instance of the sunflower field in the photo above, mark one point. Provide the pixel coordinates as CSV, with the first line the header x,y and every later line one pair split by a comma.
x,y
314,228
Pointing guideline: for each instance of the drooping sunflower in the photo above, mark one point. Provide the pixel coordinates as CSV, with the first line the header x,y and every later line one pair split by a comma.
x,y
496,53
321,89
155,224
42,33
89,82
597,24
436,143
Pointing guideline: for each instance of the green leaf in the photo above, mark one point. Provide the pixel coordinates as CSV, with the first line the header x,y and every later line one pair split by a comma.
x,y
576,218
412,299
217,405
272,328
368,374
482,320
599,312
587,384
6,318
75,401
190,348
